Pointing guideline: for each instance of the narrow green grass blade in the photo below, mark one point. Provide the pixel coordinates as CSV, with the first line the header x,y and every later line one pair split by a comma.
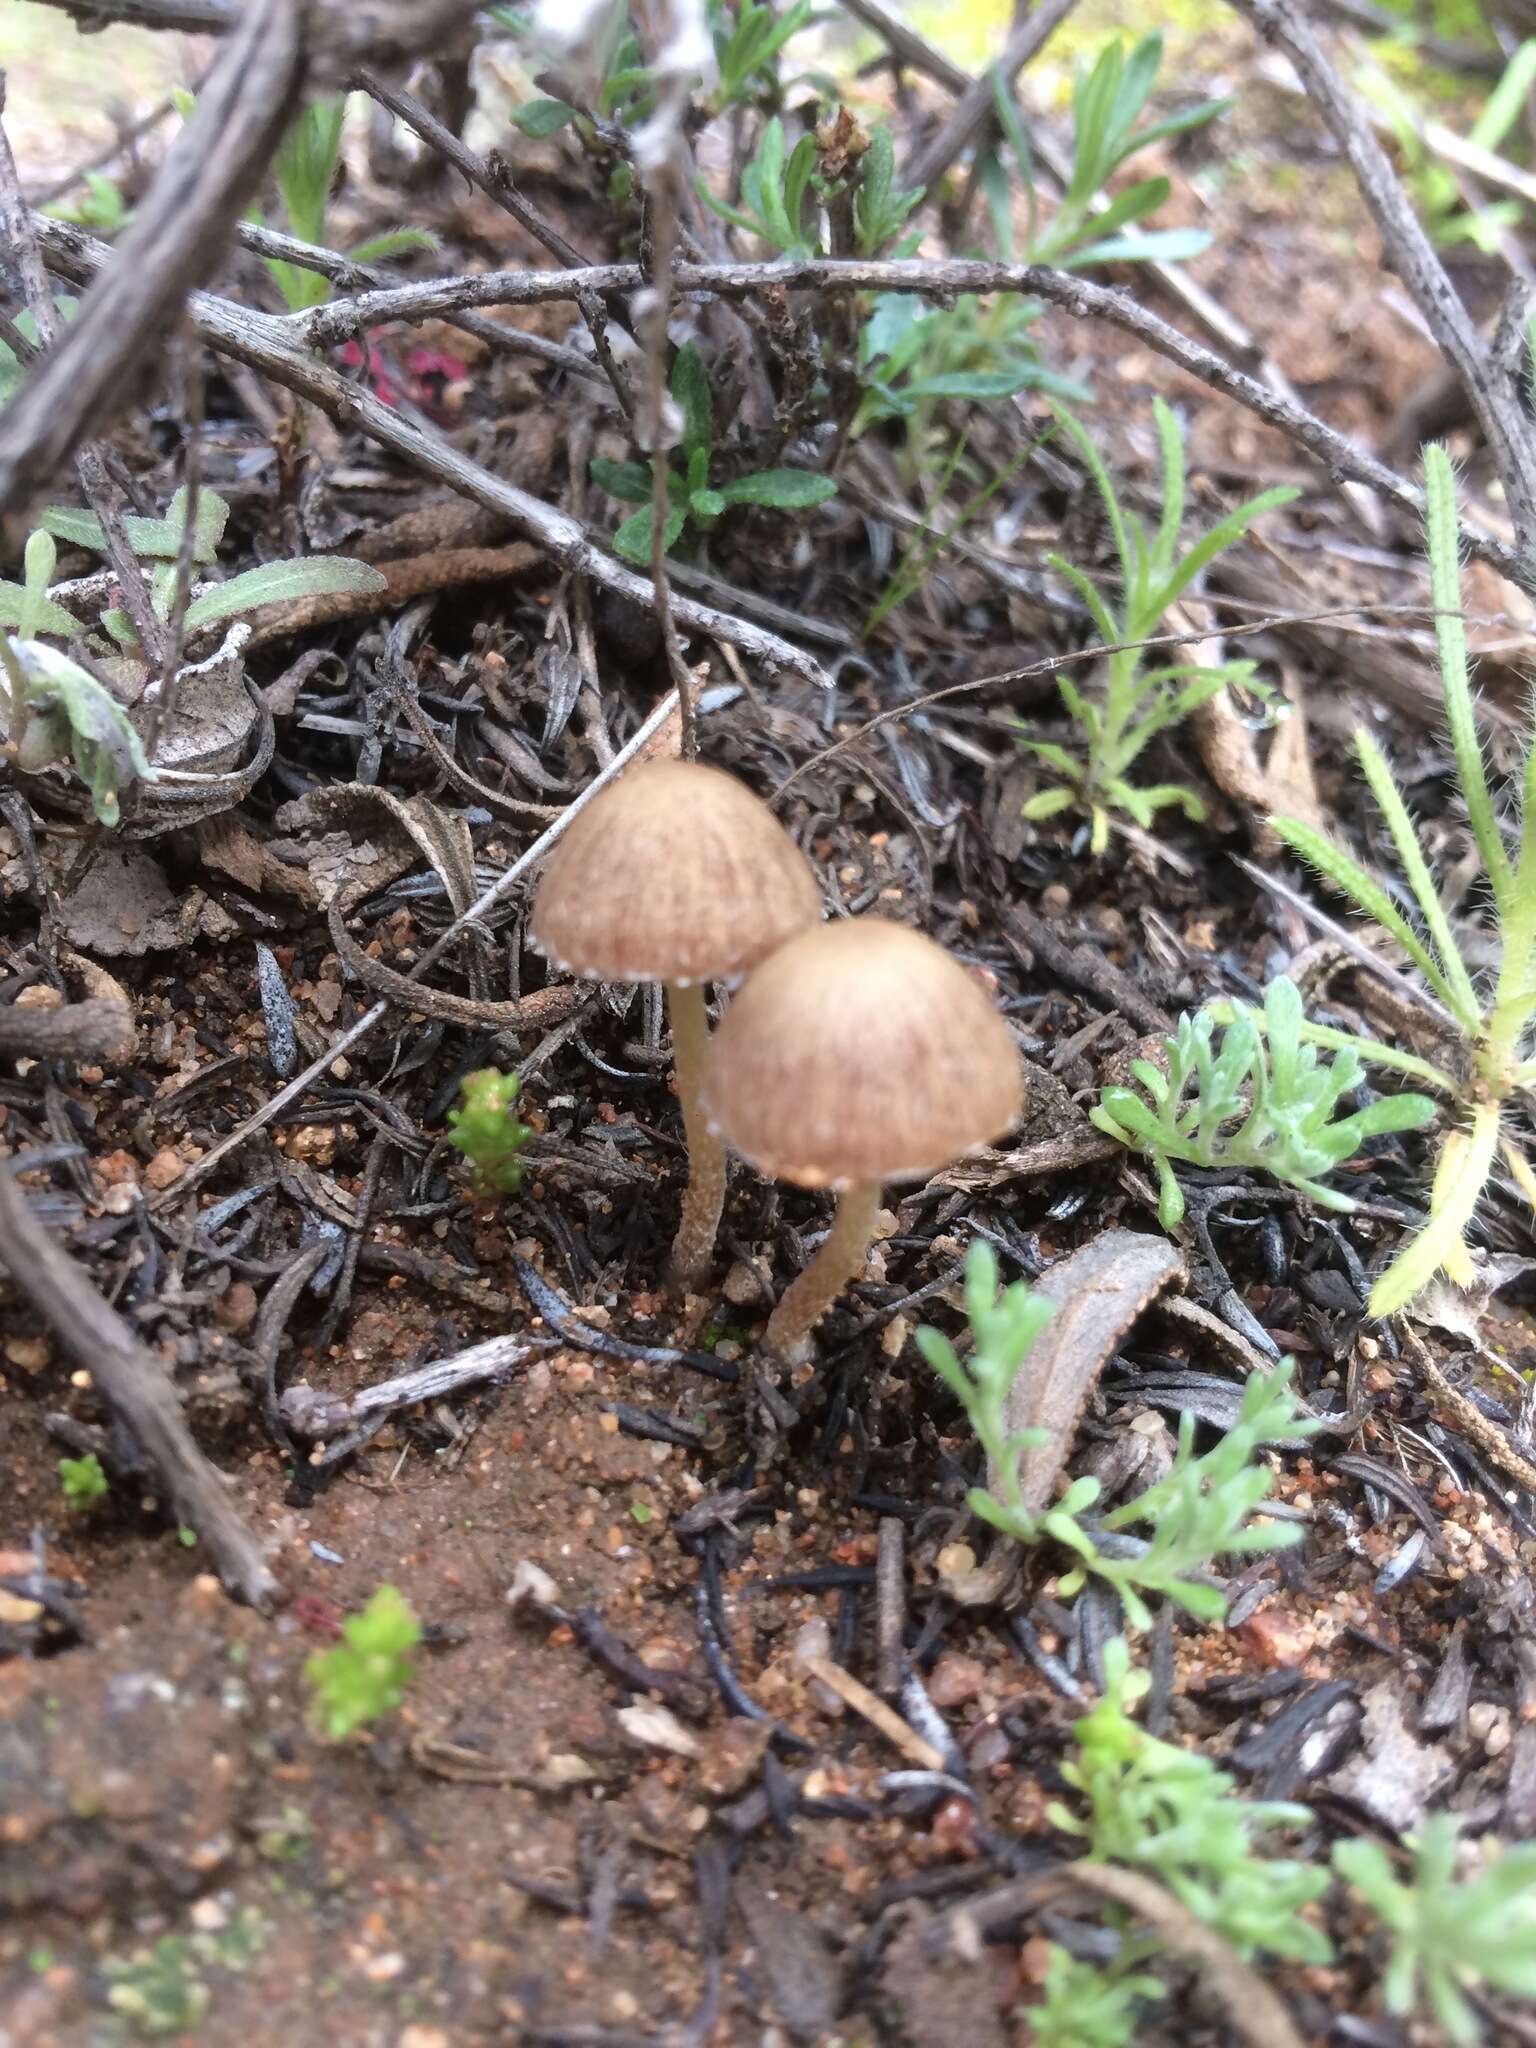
x,y
1419,1262
1347,876
1389,798
1451,639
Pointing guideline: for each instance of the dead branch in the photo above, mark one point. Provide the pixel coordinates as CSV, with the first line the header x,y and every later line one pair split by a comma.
x,y
1343,460
266,344
177,236
136,1389
98,1029
974,109
1493,394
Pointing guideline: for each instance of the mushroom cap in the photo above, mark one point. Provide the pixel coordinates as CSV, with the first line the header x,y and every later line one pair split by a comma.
x,y
861,1051
675,873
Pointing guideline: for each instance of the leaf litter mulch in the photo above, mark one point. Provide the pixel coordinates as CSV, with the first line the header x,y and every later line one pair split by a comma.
x,y
744,1757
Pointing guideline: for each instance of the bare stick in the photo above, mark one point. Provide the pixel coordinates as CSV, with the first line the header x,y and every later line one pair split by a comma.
x,y
357,277
134,1385
1075,295
89,467
1510,434
974,109
97,1029
265,343
211,171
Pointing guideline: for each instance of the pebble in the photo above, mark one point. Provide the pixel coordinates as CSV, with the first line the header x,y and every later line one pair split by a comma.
x,y
1490,1725
1276,1639
165,1169
955,1679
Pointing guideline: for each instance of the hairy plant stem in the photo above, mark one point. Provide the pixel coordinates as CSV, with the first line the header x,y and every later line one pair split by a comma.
x,y
842,1255
694,1244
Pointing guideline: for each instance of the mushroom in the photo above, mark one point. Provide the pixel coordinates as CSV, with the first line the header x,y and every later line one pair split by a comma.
x,y
856,1054
677,874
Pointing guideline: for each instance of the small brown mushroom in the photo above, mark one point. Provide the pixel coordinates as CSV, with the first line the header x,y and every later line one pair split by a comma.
x,y
856,1054
676,874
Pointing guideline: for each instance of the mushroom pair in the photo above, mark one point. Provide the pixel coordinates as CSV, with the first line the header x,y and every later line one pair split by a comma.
x,y
856,1052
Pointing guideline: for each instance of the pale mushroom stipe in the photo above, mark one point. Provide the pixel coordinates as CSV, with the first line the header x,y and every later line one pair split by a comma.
x,y
677,874
856,1054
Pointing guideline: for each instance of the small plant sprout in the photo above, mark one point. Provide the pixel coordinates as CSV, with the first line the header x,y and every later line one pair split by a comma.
x,y
1108,98
53,706
1491,1030
305,167
1139,699
158,542
83,1480
1085,2006
692,500
1202,1510
857,1054
747,48
364,1677
1264,1101
676,874
1448,1935
486,1130
1171,1813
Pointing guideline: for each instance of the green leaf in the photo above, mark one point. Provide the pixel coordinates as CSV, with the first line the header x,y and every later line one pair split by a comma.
x,y
277,582
690,389
1166,245
538,118
706,504
392,242
12,370
629,482
633,539
790,490
365,1676
29,617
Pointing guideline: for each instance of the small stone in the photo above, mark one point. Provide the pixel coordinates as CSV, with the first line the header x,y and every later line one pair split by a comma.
x,y
742,1286
1489,1725
955,1560
165,1168
236,1309
1055,900
731,1756
39,997
1276,1638
315,1144
384,1969
27,1354
208,1916
991,1746
954,1680
423,2037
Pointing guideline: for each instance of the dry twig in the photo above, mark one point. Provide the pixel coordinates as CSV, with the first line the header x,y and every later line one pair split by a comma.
x,y
136,1389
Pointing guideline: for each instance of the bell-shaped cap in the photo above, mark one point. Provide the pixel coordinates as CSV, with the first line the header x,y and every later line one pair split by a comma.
x,y
676,873
861,1051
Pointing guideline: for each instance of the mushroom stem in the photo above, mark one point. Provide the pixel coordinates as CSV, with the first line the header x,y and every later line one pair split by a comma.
x,y
694,1245
842,1255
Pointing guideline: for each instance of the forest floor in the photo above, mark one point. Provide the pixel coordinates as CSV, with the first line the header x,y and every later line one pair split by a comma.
x,y
529,1850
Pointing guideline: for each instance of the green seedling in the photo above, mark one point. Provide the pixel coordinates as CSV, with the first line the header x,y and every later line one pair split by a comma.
x,y
364,1677
83,1480
1448,1935
488,1132
158,543
1139,699
880,205
779,200
747,48
1202,1510
692,500
305,168
101,207
1488,1031
158,1991
1109,97
914,359
1084,2006
1438,193
1264,1102
1170,1813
